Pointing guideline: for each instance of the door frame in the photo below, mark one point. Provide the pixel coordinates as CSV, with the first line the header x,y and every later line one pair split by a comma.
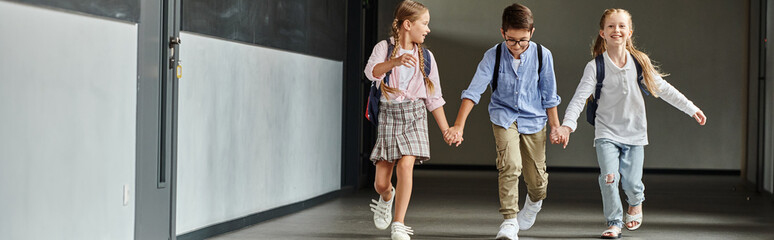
x,y
156,142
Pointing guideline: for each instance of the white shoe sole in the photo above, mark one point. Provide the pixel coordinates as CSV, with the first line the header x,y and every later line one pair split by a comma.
x,y
503,237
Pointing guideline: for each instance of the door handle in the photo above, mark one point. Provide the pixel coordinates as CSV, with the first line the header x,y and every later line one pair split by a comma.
x,y
173,43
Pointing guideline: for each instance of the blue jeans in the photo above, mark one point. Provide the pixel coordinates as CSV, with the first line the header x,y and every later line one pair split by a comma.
x,y
625,163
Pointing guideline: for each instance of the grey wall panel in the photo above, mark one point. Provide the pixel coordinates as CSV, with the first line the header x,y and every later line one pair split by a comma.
x,y
67,131
258,128
313,27
710,75
750,165
128,10
768,179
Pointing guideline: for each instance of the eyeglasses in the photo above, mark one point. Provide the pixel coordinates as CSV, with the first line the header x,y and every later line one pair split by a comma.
x,y
521,43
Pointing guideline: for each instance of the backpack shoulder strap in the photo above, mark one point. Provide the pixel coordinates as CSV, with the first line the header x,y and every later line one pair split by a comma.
x,y
496,73
640,76
540,59
390,47
600,61
428,61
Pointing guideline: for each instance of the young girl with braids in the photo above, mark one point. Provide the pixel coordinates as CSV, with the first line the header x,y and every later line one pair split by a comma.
x,y
402,122
620,124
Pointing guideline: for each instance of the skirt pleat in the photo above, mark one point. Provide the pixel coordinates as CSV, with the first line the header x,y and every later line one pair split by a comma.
x,y
402,132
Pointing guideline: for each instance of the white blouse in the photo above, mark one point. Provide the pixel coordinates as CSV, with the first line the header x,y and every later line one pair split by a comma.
x,y
621,112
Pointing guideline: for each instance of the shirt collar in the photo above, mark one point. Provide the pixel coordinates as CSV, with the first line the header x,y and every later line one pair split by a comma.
x,y
524,56
629,64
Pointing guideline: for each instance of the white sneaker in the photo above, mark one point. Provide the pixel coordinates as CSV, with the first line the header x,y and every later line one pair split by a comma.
x,y
401,232
509,230
528,214
382,211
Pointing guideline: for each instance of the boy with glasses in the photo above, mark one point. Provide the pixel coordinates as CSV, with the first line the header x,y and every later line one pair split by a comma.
x,y
524,97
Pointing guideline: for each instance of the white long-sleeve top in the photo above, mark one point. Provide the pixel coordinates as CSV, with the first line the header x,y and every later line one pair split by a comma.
x,y
621,111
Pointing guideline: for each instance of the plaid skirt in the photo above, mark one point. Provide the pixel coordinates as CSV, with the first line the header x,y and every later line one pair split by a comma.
x,y
402,132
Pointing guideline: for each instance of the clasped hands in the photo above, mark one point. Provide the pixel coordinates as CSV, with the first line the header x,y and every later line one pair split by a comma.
x,y
453,135
559,135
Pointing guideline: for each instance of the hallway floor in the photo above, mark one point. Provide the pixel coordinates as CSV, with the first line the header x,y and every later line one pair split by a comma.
x,y
464,204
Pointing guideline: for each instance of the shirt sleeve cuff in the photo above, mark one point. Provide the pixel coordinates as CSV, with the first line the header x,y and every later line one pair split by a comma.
x,y
473,97
549,104
433,104
691,110
571,124
369,72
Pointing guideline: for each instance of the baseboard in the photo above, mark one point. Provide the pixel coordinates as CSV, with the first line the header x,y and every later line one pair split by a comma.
x,y
580,169
256,218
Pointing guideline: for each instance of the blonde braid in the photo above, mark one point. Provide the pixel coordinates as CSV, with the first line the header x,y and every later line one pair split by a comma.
x,y
395,36
428,83
394,33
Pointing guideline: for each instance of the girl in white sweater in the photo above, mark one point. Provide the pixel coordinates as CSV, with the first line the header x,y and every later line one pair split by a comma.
x,y
620,124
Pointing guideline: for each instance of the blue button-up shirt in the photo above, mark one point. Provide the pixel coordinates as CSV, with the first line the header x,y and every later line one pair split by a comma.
x,y
519,97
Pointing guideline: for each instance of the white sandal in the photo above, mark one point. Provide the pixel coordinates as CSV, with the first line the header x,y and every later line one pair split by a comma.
x,y
633,218
615,231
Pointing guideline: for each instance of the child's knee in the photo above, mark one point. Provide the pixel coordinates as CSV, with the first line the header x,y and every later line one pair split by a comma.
x,y
406,164
381,186
608,178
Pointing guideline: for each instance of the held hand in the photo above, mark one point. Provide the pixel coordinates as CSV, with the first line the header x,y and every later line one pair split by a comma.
x,y
448,141
555,137
448,135
458,140
446,138
700,118
406,59
564,135
453,135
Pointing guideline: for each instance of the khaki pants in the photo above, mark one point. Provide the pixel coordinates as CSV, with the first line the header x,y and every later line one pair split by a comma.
x,y
517,154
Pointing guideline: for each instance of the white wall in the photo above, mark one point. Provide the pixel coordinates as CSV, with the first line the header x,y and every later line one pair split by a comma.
x,y
259,128
67,125
683,36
